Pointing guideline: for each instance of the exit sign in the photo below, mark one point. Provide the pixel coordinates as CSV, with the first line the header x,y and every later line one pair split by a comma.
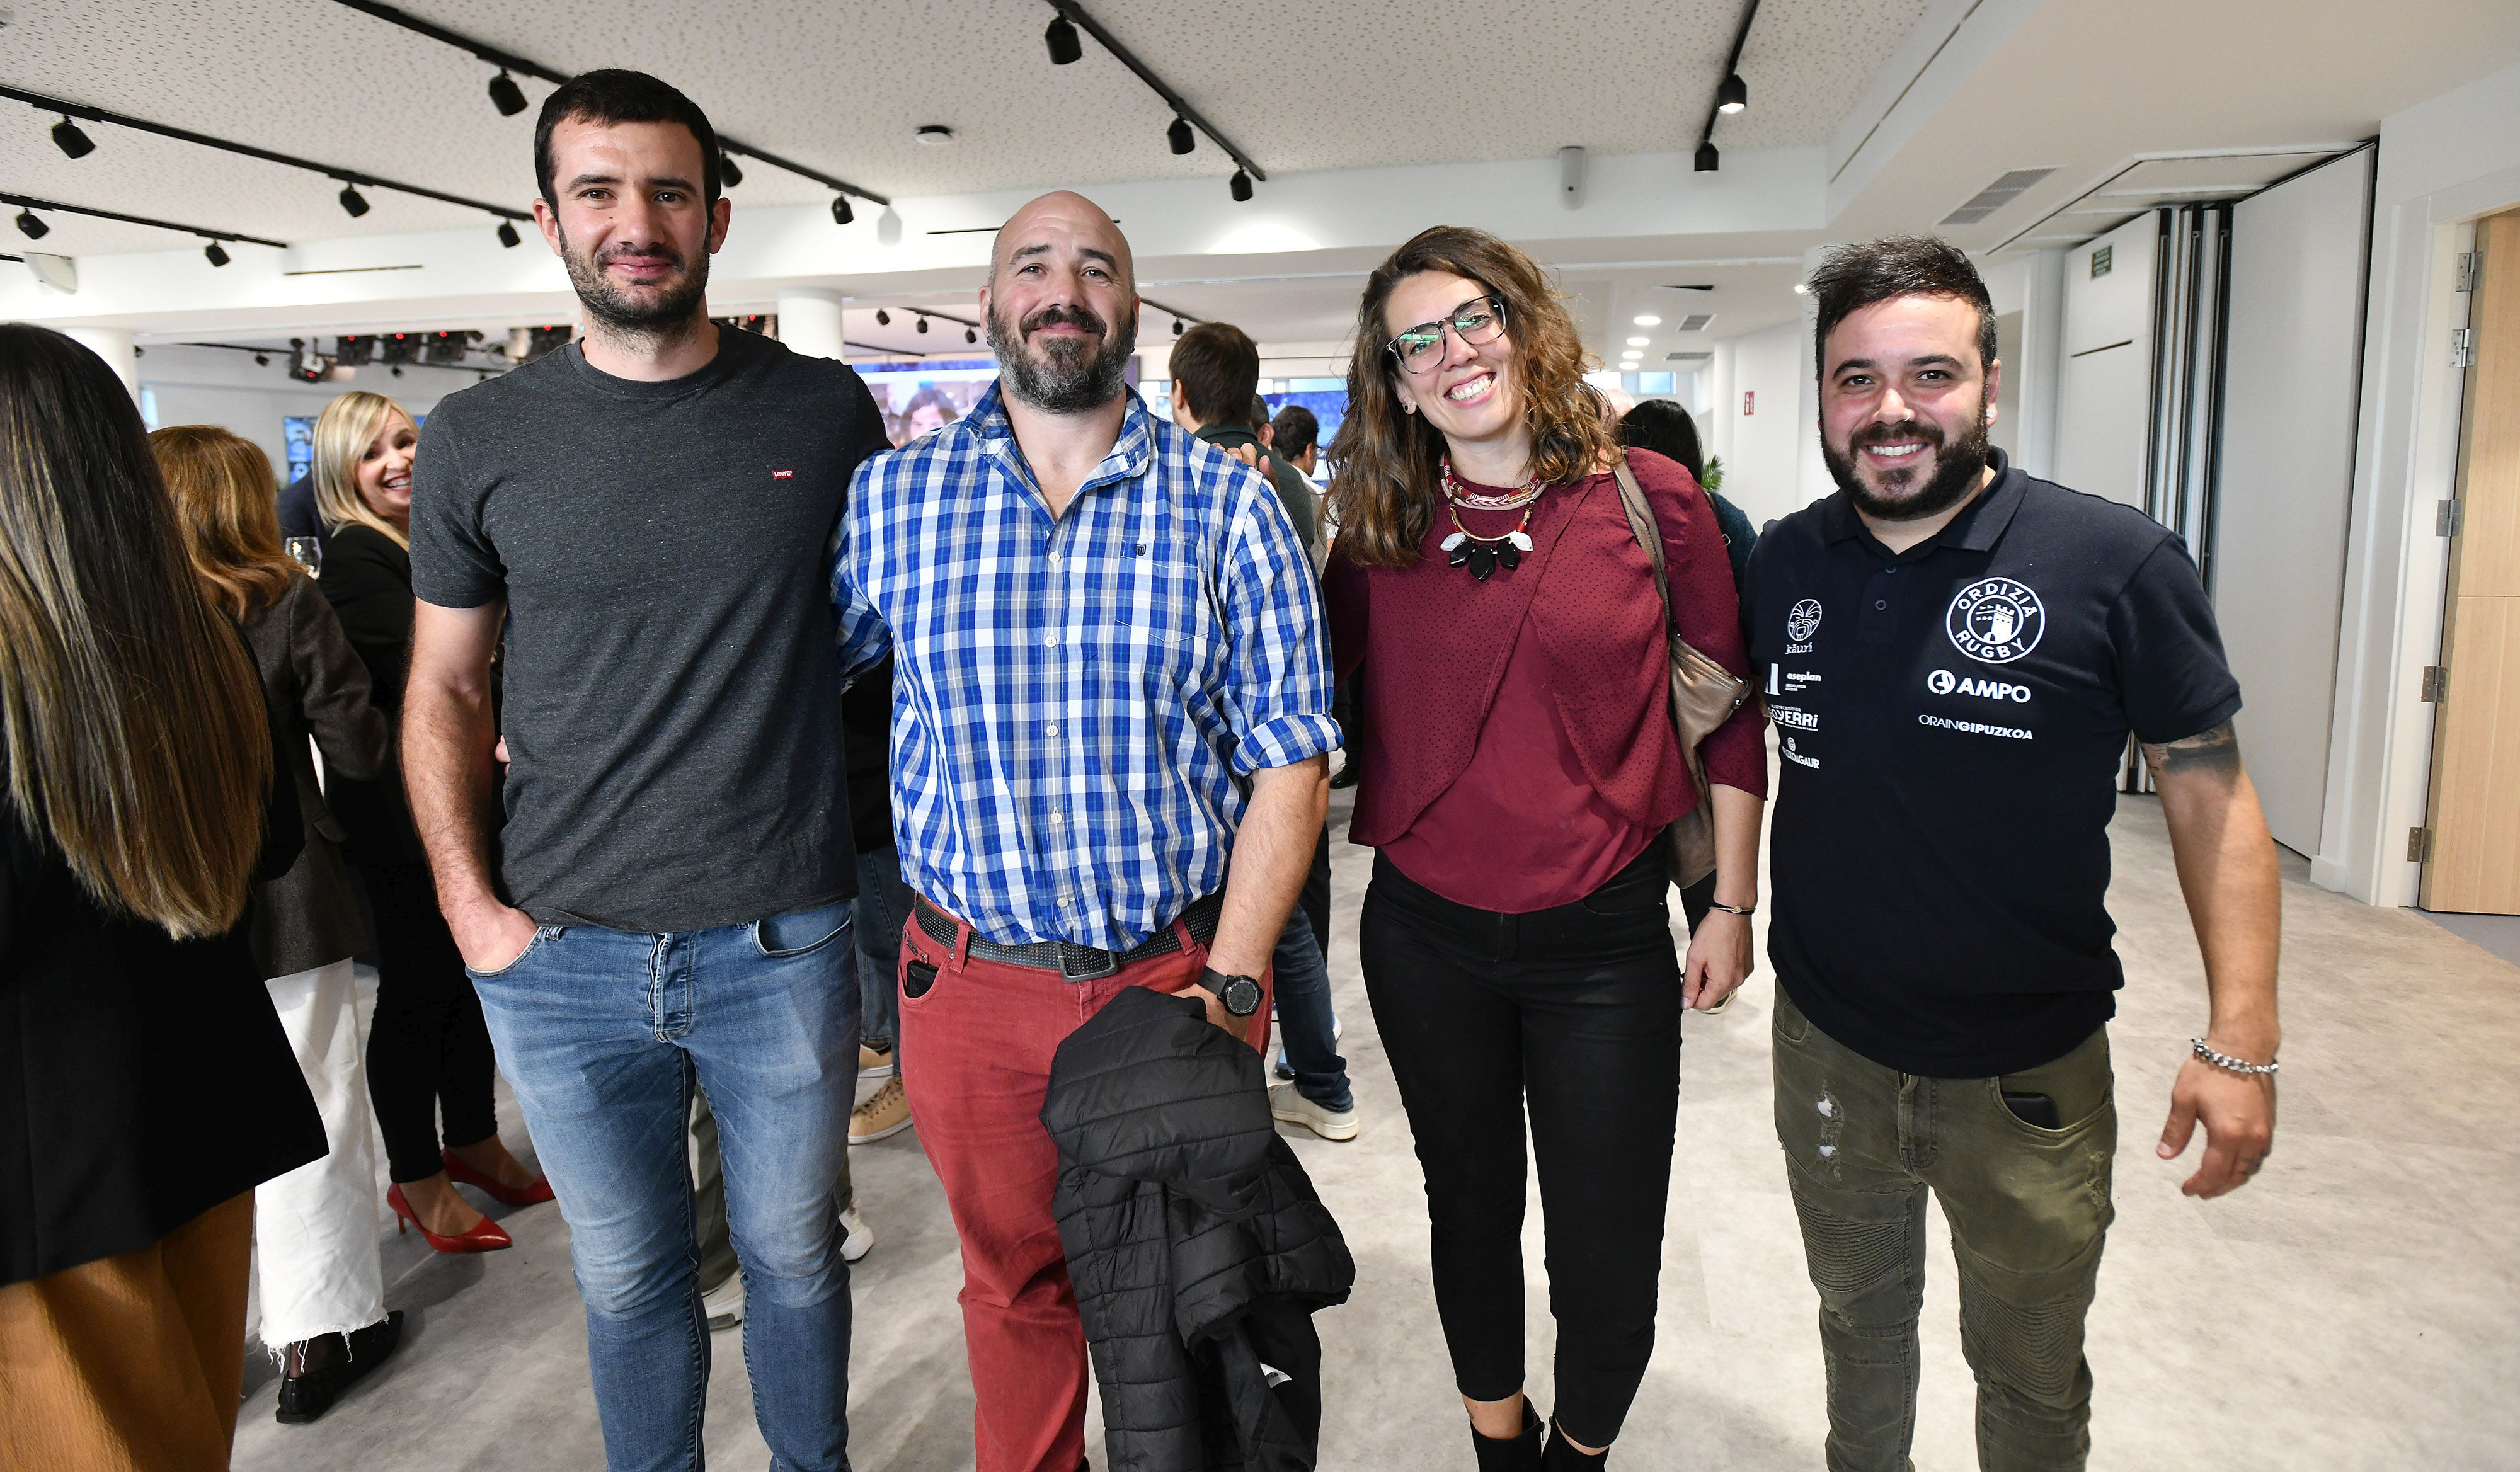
x,y
1749,401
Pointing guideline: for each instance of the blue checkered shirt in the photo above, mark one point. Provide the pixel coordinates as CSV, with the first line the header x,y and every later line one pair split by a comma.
x,y
1078,703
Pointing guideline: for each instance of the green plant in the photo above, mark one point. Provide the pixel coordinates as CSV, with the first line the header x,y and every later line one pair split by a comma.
x,y
1714,481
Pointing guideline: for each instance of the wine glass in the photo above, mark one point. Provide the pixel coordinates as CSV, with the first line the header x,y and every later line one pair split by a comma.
x,y
307,553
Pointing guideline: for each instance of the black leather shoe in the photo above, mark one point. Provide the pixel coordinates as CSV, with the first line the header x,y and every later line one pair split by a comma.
x,y
1520,1453
317,1371
1345,775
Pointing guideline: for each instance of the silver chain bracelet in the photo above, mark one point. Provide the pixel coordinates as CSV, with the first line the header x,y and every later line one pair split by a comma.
x,y
2229,1065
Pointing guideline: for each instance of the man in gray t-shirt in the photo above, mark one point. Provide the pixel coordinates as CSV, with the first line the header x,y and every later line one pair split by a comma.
x,y
643,517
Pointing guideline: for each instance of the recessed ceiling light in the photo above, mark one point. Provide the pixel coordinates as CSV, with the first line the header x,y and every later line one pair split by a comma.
x,y
934,134
1649,319
1801,288
1639,341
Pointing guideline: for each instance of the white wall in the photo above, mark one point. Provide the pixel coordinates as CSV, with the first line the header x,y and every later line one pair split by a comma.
x,y
2291,380
1763,450
2104,393
2444,163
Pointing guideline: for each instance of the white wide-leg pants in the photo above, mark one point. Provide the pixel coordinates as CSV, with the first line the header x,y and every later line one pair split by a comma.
x,y
315,1242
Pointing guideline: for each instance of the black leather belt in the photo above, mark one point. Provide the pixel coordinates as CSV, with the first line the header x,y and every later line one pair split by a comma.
x,y
1074,962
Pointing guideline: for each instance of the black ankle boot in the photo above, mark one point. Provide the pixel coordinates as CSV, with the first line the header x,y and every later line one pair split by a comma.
x,y
1560,1454
317,1371
1516,1454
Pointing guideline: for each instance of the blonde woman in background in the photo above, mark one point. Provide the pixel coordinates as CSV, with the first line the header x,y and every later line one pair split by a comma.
x,y
429,1050
321,1288
146,1088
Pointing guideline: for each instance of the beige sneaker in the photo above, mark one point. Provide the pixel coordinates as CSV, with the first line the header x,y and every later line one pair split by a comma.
x,y
884,1114
874,1062
1285,1104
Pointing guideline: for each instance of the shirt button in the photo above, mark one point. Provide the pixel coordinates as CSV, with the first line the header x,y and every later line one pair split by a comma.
x,y
1053,559
1881,603
1053,729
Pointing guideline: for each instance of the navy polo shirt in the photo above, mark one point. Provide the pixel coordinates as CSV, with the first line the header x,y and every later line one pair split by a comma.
x,y
1952,720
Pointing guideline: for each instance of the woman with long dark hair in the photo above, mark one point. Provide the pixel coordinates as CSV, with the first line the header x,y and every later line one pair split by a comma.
x,y
428,1048
146,1086
320,1292
1522,766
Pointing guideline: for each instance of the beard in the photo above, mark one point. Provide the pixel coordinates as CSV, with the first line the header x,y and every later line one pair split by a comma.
x,y
1904,496
663,307
1068,374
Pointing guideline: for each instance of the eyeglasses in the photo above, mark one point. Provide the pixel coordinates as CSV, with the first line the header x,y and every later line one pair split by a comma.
x,y
1480,319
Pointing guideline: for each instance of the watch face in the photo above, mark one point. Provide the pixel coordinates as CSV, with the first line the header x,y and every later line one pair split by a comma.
x,y
1242,995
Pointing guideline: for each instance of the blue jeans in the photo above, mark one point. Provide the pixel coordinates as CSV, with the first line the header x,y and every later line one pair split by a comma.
x,y
1303,991
603,1034
882,909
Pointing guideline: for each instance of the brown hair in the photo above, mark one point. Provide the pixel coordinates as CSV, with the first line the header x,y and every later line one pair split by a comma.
x,y
343,433
224,501
1384,494
1215,368
136,742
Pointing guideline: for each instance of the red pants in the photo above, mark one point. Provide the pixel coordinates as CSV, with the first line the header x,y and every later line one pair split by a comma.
x,y
976,1052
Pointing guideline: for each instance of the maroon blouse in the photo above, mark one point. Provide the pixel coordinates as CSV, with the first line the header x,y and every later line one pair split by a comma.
x,y
1517,748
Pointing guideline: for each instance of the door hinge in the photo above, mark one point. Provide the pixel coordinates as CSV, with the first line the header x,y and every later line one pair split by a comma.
x,y
2471,270
2462,347
2445,520
2419,845
2436,684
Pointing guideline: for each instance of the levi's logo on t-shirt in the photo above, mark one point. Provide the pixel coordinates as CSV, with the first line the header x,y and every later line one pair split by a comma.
x,y
783,475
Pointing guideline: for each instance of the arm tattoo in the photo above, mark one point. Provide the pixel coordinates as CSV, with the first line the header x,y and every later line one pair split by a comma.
x,y
2208,753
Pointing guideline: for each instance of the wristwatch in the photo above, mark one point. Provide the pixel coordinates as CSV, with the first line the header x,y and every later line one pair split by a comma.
x,y
1241,995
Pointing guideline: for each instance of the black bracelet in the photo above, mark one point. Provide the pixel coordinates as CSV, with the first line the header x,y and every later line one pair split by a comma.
x,y
1733,908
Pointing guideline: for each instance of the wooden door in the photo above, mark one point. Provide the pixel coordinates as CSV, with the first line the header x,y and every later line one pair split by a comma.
x,y
2475,860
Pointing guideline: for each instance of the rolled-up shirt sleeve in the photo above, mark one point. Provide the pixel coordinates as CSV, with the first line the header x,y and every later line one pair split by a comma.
x,y
1278,664
1707,612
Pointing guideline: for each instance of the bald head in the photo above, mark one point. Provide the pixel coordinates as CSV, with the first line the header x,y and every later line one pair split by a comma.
x,y
1066,225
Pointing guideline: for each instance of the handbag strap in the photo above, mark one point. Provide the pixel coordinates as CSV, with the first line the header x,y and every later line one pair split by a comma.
x,y
1647,532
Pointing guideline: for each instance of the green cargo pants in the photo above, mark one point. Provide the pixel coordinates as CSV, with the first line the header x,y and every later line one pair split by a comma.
x,y
2029,1209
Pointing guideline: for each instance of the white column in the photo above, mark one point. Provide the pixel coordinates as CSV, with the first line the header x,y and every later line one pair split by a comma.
x,y
809,321
113,346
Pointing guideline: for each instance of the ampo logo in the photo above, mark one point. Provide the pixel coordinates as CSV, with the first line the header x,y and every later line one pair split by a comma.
x,y
1945,683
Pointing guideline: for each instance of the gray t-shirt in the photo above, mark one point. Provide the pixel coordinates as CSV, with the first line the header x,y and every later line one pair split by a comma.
x,y
672,695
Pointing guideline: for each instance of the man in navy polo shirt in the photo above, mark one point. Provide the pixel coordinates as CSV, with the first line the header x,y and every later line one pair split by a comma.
x,y
1954,654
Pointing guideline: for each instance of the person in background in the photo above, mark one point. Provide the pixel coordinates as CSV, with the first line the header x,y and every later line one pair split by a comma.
x,y
1293,434
1109,682
930,409
657,899
321,1290
882,903
1215,368
1671,431
298,516
146,1085
429,1050
1521,775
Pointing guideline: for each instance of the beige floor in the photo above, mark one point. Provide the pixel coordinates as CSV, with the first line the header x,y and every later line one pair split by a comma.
x,y
2359,1306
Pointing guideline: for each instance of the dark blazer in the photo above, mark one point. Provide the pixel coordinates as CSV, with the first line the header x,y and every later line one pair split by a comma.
x,y
315,684
143,1079
1195,1243
366,579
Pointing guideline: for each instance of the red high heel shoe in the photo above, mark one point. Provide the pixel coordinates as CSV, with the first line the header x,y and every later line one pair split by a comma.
x,y
486,1235
529,1195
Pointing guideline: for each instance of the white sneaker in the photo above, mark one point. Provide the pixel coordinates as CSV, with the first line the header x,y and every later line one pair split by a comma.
x,y
724,1303
884,1114
858,1239
874,1062
1284,1104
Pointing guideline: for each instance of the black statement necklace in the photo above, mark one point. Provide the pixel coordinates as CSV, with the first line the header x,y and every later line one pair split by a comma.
x,y
1466,548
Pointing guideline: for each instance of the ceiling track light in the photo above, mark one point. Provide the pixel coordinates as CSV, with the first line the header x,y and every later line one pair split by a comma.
x,y
1064,47
1177,327
729,173
882,318
506,95
971,334
353,203
1239,186
31,225
214,253
1733,95
1708,159
508,235
923,324
1180,137
68,137
842,212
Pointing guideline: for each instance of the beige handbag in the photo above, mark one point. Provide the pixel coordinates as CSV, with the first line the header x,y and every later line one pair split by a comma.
x,y
1703,696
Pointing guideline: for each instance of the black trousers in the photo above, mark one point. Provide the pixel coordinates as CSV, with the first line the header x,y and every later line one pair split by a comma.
x,y
1576,1010
427,1047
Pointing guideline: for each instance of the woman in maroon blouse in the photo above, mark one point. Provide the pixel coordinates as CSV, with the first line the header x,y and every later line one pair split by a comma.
x,y
1518,775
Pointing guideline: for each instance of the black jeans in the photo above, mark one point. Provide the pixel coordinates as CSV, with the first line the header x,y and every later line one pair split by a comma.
x,y
1577,1009
427,1047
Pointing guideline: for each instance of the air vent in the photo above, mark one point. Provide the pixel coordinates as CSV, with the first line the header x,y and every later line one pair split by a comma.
x,y
1996,196
1700,357
1695,322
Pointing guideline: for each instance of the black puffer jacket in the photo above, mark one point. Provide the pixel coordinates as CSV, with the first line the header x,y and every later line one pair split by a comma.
x,y
1196,1244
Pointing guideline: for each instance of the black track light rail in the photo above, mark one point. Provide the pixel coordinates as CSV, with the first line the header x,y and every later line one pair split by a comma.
x,y
509,61
349,176
944,317
1175,313
1075,14
1731,66
24,201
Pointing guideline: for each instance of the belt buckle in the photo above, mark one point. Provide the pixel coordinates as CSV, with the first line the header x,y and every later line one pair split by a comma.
x,y
1102,963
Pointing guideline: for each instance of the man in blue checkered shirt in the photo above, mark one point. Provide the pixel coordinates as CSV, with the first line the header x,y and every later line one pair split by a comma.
x,y
1110,721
